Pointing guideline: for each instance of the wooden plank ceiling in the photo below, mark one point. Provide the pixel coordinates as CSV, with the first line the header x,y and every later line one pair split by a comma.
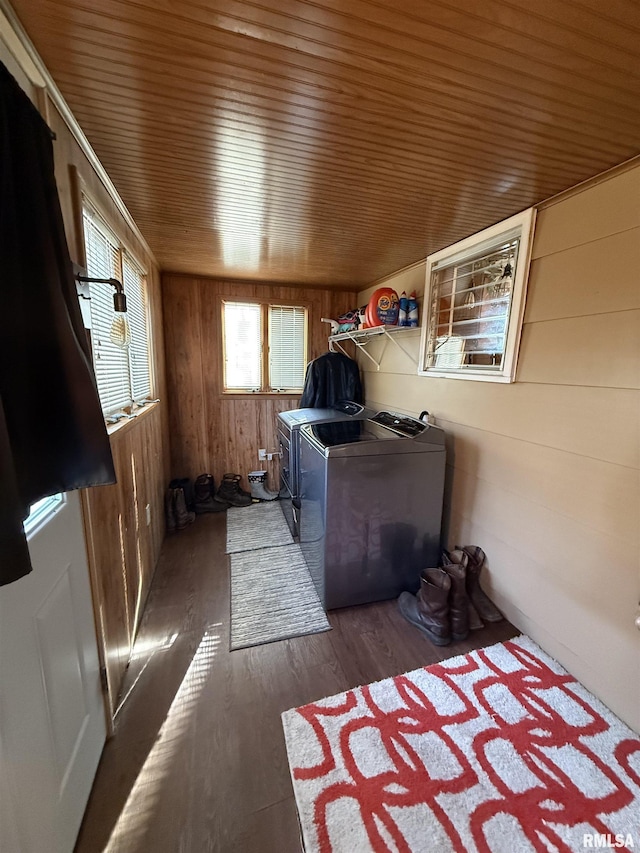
x,y
333,142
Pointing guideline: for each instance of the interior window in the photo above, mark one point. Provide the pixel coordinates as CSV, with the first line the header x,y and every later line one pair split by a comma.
x,y
265,347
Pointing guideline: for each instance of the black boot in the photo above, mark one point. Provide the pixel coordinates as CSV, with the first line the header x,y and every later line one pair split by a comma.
x,y
230,492
169,511
204,490
429,609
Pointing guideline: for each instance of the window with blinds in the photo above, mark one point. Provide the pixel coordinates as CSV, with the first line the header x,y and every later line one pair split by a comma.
x,y
265,347
122,373
474,303
287,347
243,346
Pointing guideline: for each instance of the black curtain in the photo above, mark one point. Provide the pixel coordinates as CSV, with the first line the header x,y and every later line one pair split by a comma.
x,y
52,432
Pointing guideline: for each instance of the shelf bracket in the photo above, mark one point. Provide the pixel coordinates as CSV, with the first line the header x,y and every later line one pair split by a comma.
x,y
362,337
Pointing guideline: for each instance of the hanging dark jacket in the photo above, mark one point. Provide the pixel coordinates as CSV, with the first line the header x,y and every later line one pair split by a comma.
x,y
52,432
331,377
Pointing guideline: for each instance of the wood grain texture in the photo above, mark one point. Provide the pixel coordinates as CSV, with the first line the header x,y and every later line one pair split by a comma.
x,y
211,431
198,760
123,549
324,143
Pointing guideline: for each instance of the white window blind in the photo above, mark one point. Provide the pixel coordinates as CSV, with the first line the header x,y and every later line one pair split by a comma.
x,y
243,346
287,346
111,363
136,292
122,374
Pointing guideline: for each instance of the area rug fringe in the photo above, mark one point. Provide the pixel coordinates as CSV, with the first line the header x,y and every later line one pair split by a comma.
x,y
260,525
497,751
273,597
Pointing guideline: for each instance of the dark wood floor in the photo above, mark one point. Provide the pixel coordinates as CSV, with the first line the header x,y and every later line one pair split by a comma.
x,y
198,761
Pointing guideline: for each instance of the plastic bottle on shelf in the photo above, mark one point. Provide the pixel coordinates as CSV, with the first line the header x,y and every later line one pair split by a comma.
x,y
403,314
412,310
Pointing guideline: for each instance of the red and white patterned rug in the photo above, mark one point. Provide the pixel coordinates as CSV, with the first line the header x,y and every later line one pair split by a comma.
x,y
499,750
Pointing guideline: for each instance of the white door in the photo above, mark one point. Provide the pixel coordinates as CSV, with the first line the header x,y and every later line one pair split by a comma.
x,y
52,724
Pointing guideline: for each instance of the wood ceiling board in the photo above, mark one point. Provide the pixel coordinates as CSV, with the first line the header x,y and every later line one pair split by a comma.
x,y
340,141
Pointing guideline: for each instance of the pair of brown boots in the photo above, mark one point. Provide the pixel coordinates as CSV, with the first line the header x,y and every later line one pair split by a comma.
x,y
450,601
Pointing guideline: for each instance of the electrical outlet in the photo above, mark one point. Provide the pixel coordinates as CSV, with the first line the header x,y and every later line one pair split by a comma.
x,y
262,453
148,511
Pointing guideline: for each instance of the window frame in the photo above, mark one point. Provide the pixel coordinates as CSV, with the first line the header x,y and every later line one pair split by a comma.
x,y
520,226
264,390
124,255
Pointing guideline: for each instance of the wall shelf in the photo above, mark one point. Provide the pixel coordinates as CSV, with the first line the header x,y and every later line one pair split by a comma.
x,y
362,337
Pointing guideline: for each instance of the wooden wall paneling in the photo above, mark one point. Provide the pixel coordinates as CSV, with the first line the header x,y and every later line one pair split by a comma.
x,y
183,351
123,549
212,371
105,526
211,431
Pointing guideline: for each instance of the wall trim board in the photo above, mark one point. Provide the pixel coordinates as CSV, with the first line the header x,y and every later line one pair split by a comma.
x,y
248,282
36,66
583,186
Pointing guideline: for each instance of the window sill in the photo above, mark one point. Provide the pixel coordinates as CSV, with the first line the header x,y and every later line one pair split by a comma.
x,y
127,423
249,395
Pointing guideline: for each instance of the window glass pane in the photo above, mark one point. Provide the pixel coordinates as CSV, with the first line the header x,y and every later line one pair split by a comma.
x,y
136,292
111,363
469,312
287,345
40,511
242,345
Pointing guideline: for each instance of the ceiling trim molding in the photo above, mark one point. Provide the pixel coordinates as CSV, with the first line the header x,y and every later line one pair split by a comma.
x,y
614,171
25,53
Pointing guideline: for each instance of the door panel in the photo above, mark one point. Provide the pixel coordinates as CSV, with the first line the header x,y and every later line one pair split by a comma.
x,y
52,724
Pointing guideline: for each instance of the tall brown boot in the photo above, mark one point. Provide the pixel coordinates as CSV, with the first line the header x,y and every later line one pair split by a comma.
x,y
483,604
458,598
459,557
429,609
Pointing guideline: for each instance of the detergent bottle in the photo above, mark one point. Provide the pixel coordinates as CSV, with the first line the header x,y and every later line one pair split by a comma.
x,y
403,314
412,310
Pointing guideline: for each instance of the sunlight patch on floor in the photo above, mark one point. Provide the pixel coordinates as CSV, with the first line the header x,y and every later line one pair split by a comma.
x,y
138,811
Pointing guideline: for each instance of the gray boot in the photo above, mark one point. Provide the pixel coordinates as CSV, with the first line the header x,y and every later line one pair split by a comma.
x,y
183,515
258,484
429,609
